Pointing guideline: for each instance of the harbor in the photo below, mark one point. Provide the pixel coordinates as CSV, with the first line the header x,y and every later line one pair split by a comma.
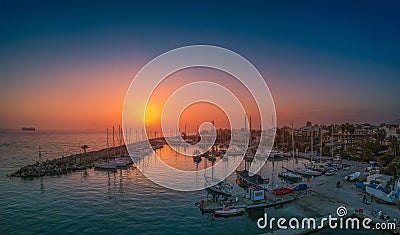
x,y
330,191
286,181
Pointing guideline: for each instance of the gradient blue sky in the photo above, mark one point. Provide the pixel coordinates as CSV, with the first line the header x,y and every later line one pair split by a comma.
x,y
324,61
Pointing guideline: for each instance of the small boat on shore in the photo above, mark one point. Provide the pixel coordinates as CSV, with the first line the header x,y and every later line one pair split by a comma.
x,y
363,186
226,212
307,172
290,176
378,194
352,177
330,172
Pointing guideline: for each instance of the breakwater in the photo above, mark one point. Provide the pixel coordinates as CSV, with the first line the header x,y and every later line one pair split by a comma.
x,y
64,165
81,161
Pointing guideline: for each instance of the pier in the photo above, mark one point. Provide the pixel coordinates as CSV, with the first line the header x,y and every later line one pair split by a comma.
x,y
75,162
276,201
65,165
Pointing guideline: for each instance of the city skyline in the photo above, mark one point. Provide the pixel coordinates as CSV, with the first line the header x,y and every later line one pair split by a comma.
x,y
68,65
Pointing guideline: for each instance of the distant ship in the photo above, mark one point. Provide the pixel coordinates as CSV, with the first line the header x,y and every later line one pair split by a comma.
x,y
28,129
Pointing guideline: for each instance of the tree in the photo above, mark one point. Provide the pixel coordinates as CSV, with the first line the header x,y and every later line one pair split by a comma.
x,y
326,151
350,130
84,147
385,160
343,128
393,168
380,135
393,144
350,150
367,155
375,147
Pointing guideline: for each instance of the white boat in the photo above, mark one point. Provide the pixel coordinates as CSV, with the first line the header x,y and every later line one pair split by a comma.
x,y
330,172
307,172
121,162
352,177
389,198
221,188
107,165
229,212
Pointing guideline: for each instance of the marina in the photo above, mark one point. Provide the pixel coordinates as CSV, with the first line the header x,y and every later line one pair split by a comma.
x,y
323,189
242,195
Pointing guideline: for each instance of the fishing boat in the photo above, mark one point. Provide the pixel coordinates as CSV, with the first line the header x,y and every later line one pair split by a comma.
x,y
378,194
226,212
290,176
251,181
352,177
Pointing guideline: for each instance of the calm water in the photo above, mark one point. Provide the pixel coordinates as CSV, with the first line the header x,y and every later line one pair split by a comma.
x,y
94,202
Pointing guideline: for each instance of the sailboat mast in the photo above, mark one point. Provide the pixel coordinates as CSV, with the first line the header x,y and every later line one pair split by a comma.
x,y
113,137
107,137
293,144
320,149
250,131
332,141
312,143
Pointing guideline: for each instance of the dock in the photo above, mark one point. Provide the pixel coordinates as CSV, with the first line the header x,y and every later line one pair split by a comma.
x,y
247,204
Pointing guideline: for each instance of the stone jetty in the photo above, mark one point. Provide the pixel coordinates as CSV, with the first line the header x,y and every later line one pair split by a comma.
x,y
67,164
81,161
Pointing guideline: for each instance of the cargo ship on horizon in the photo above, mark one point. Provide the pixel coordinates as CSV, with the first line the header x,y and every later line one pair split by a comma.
x,y
28,129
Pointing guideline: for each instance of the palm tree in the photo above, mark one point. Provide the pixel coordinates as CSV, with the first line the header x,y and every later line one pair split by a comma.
x,y
351,130
380,135
394,144
343,128
84,147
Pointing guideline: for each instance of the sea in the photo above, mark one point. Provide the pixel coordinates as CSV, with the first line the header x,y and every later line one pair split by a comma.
x,y
98,202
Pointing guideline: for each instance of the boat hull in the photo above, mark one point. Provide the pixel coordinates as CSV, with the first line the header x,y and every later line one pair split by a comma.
x,y
378,194
230,212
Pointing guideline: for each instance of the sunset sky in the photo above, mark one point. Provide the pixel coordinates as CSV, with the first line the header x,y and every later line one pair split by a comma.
x,y
68,65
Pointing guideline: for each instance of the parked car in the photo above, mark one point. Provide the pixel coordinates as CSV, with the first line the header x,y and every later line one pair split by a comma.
x,y
283,190
330,172
300,187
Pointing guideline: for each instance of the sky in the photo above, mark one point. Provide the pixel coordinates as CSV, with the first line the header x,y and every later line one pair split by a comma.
x,y
69,64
